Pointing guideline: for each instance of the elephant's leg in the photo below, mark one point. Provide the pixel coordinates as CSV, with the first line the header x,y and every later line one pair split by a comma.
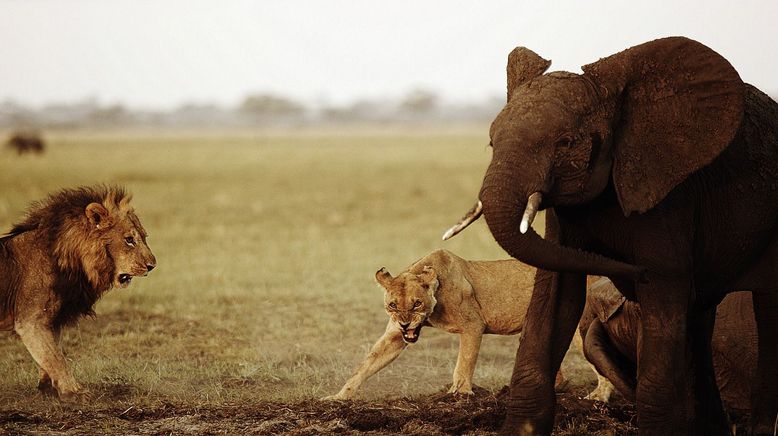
x,y
609,362
764,411
709,416
552,317
664,389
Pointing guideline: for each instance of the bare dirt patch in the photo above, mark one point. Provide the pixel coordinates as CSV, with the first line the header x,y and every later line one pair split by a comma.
x,y
436,414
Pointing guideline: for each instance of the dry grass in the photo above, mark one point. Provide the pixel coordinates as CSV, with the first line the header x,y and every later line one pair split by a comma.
x,y
267,244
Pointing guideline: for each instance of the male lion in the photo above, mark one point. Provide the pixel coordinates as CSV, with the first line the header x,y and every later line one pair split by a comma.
x,y
444,291
54,265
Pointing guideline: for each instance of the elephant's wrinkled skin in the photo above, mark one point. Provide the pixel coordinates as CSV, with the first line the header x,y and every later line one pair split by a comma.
x,y
610,328
658,168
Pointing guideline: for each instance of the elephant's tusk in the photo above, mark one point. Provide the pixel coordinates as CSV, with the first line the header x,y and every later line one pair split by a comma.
x,y
471,215
533,203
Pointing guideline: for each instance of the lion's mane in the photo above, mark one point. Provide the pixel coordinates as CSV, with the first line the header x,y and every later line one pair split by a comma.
x,y
84,270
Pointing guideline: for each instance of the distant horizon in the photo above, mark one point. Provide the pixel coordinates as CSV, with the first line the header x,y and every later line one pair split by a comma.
x,y
314,105
161,55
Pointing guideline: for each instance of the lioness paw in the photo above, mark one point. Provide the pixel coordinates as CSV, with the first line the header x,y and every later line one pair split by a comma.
x,y
80,397
460,390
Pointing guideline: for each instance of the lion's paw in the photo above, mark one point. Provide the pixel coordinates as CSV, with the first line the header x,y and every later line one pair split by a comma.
x,y
461,390
79,397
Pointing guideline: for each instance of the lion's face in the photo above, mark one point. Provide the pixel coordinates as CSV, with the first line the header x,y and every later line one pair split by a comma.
x,y
125,241
409,299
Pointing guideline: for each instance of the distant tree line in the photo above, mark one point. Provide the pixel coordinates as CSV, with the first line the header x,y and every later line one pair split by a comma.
x,y
261,109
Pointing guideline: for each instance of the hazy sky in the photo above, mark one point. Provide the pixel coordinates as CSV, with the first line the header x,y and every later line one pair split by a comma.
x,y
164,53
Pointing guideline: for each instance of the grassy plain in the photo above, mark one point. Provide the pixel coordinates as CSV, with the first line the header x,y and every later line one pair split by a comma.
x,y
266,243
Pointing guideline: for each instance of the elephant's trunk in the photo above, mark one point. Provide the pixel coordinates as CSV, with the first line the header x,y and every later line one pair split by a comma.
x,y
504,199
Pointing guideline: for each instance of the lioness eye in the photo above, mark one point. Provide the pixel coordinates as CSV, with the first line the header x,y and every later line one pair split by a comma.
x,y
392,306
417,304
130,241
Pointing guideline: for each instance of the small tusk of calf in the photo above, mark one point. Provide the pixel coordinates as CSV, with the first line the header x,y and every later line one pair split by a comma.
x,y
533,203
471,215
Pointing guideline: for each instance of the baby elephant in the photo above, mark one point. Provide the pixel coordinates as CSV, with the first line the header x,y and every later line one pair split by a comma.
x,y
444,291
611,325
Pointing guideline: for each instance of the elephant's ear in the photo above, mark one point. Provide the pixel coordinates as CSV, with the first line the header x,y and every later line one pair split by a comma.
x,y
678,105
523,66
604,299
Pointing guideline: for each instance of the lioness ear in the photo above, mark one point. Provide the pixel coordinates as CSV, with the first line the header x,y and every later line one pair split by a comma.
x,y
98,216
383,277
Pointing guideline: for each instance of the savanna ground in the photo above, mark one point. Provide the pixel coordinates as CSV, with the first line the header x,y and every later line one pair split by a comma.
x,y
264,299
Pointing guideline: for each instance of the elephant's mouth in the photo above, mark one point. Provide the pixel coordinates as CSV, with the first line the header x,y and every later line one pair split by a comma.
x,y
410,336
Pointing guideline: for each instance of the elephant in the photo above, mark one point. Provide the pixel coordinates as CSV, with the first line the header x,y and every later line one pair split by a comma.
x,y
657,168
610,331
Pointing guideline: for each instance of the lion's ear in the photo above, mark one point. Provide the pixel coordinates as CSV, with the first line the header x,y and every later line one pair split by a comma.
x,y
383,277
98,216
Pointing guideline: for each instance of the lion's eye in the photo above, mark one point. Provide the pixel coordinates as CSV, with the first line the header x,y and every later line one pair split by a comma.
x,y
130,241
392,306
417,304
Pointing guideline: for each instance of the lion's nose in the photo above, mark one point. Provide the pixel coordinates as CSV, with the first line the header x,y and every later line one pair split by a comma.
x,y
405,325
150,266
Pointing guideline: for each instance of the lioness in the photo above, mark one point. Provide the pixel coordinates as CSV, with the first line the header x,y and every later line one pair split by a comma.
x,y
444,291
54,265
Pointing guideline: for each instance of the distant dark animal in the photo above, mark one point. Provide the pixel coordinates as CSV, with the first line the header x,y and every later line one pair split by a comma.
x,y
26,143
54,265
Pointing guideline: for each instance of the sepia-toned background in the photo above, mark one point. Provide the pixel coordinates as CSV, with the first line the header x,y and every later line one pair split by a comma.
x,y
279,154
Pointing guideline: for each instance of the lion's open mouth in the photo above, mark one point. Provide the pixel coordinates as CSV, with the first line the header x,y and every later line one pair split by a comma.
x,y
412,335
124,280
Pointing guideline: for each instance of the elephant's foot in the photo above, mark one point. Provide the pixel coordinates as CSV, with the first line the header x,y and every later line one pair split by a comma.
x,y
530,406
766,428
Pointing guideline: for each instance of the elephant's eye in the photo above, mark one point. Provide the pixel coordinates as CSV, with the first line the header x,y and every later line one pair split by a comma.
x,y
129,240
417,304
